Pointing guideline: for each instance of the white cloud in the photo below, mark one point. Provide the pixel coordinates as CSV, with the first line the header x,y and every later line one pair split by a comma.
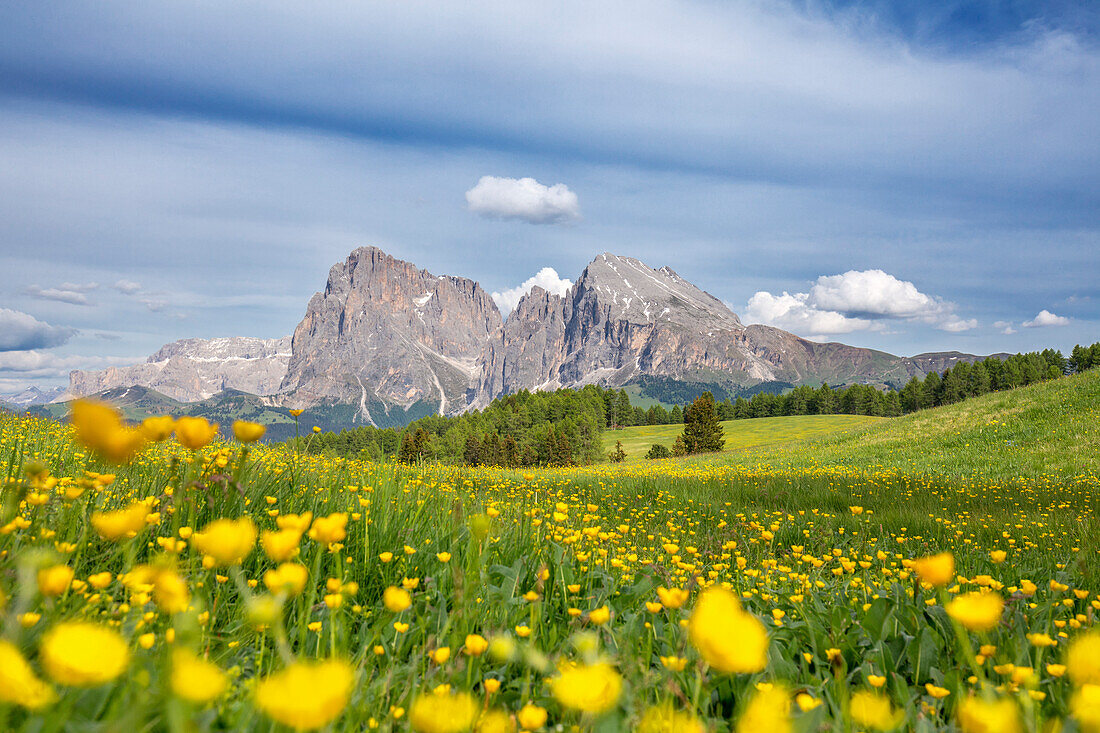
x,y
854,301
523,198
71,293
20,331
127,287
1005,327
35,364
794,313
1045,318
547,278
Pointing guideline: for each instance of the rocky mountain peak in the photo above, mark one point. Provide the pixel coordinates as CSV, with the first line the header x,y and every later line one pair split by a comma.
x,y
195,369
631,291
384,333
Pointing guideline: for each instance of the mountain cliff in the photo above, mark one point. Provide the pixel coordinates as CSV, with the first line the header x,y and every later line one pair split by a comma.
x,y
385,335
196,369
623,321
386,342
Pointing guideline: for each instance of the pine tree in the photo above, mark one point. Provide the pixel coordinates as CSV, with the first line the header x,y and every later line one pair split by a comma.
x,y
677,416
702,431
618,455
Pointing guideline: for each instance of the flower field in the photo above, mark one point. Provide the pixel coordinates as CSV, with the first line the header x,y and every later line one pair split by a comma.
x,y
158,578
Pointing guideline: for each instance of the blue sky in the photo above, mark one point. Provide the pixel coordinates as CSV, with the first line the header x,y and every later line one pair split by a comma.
x,y
905,176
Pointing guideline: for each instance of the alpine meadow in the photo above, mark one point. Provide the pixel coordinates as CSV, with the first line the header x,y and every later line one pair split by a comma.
x,y
668,366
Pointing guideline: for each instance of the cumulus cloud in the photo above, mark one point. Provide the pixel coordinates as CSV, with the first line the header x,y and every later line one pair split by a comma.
x,y
1005,327
21,331
71,293
523,198
547,278
795,313
1045,318
34,364
857,300
127,287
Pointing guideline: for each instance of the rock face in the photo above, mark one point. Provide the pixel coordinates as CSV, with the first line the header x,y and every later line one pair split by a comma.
x,y
390,342
196,369
384,333
623,320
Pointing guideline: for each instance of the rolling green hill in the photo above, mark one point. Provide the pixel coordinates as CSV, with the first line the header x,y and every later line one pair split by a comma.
x,y
741,434
1045,431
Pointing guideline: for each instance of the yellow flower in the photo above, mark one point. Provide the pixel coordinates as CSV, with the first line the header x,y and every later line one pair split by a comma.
x,y
531,717
99,581
769,710
296,522
1086,708
159,428
476,645
288,578
1056,670
492,684
54,580
874,711
195,432
1041,640
937,692
998,556
19,684
81,654
443,556
600,616
441,655
228,541
666,719
977,611
592,688
981,716
937,570
442,713
396,599
327,530
115,525
806,702
196,679
295,413
495,721
729,639
876,681
248,432
306,695
282,545
672,597
1083,659
100,427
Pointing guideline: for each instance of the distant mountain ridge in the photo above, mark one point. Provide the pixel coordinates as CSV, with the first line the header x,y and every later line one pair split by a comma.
x,y
386,342
194,369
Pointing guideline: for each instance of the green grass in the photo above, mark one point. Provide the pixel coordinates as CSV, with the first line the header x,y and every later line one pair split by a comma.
x,y
741,435
1046,431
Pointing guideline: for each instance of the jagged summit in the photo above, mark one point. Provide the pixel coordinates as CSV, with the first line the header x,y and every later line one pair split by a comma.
x,y
392,342
632,291
385,333
191,370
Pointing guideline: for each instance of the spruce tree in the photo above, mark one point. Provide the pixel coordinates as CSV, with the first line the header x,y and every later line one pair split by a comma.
x,y
702,431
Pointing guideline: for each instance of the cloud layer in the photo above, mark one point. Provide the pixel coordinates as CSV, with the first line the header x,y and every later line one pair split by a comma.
x,y
547,278
523,198
857,300
1045,318
20,331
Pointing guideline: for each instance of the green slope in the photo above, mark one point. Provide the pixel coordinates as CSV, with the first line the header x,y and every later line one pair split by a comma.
x,y
1045,431
740,434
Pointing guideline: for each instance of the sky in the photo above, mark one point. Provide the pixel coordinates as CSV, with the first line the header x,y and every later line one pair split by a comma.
x,y
906,176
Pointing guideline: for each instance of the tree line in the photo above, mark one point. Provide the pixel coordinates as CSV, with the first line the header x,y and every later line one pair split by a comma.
x,y
565,427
